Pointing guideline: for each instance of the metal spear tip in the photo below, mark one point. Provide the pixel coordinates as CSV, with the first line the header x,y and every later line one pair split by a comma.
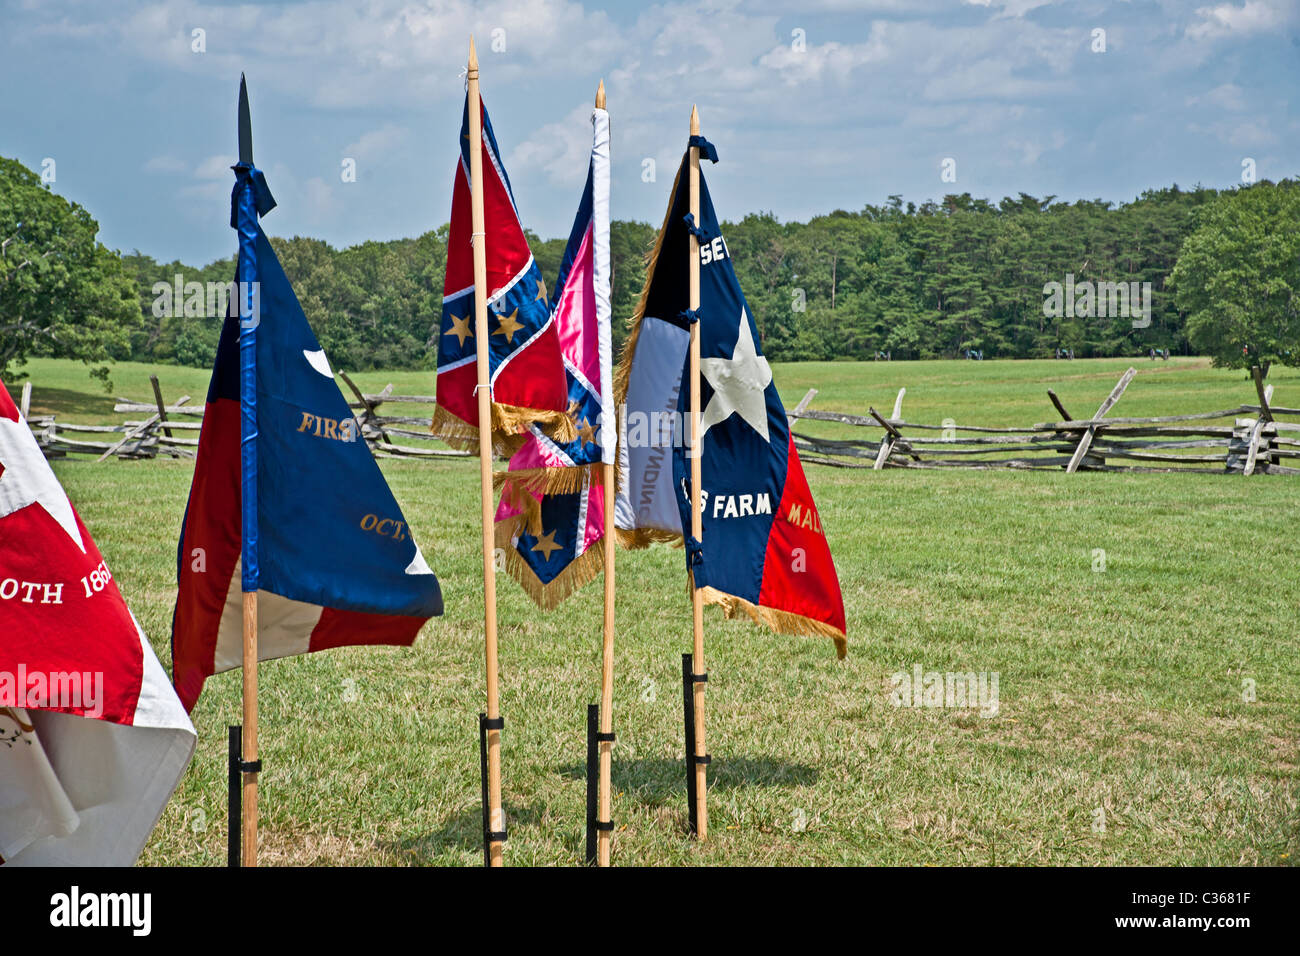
x,y
600,95
245,124
695,120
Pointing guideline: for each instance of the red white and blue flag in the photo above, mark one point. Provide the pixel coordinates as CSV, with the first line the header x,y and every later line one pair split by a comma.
x,y
525,367
763,549
286,498
552,511
92,738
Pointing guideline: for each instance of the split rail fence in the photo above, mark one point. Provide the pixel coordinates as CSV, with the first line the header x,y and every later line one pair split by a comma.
x,y
162,430
1258,441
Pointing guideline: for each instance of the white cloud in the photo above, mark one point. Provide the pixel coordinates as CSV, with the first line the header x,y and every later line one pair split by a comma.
x,y
319,201
215,167
1239,134
1224,19
561,151
1010,8
880,88
165,164
1228,96
1032,148
831,60
377,143
340,54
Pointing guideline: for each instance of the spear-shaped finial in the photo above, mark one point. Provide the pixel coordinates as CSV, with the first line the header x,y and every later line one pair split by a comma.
x,y
245,124
695,121
473,59
600,95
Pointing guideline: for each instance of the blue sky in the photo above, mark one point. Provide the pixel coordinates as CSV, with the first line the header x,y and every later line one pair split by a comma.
x,y
814,105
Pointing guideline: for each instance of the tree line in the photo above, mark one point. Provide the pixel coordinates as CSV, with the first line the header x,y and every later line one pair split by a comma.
x,y
1199,270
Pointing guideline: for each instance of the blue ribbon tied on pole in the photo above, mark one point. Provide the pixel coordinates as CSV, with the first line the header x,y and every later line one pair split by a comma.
x,y
694,556
707,149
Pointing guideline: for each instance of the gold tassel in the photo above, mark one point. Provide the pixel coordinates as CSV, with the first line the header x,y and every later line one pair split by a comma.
x,y
509,428
530,511
554,481
638,538
783,622
513,420
453,430
580,571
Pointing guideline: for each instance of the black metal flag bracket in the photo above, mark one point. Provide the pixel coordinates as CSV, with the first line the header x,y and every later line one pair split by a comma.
x,y
595,737
234,800
490,836
593,774
236,767
688,712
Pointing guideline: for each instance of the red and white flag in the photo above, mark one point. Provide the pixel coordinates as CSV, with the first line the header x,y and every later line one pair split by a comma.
x,y
93,739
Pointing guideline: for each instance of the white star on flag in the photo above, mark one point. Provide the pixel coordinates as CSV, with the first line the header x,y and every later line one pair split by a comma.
x,y
28,480
738,384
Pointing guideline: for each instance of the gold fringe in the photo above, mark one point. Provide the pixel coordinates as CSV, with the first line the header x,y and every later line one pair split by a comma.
x,y
518,497
579,573
554,481
509,428
513,420
783,622
638,538
520,488
529,520
624,370
453,430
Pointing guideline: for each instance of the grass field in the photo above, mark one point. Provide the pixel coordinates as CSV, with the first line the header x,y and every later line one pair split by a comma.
x,y
1121,692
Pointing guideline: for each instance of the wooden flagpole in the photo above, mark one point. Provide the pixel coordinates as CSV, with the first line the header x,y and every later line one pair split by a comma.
x,y
496,816
607,651
248,757
697,532
249,800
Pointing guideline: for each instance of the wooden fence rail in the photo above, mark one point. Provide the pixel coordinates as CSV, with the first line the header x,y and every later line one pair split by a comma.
x,y
172,430
1257,441
1165,443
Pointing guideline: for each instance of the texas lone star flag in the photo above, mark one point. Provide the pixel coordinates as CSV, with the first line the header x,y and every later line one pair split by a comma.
x,y
552,511
763,550
526,370
286,498
92,739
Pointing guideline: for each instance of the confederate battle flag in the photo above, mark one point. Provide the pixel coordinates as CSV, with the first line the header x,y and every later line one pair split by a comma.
x,y
525,366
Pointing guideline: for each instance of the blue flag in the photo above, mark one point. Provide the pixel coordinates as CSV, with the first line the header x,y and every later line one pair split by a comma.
x,y
286,498
762,550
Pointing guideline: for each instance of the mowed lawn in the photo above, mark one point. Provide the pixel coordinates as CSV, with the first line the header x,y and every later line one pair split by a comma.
x,y
1149,713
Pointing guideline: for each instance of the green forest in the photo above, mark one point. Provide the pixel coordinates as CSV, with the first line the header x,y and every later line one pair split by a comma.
x,y
943,279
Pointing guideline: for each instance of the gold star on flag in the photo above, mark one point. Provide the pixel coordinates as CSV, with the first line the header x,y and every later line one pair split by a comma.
x,y
460,328
546,544
509,326
586,432
541,291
